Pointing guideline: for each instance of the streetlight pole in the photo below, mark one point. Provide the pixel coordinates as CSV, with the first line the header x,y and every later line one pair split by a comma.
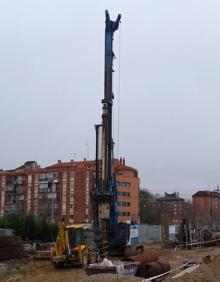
x,y
52,199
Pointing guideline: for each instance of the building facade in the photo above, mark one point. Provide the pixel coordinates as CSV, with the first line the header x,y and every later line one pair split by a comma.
x,y
63,190
206,208
127,183
173,206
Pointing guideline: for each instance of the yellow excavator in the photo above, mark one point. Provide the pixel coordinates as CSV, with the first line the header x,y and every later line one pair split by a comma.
x,y
74,246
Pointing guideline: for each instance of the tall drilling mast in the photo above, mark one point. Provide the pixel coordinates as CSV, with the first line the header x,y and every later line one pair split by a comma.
x,y
107,141
105,195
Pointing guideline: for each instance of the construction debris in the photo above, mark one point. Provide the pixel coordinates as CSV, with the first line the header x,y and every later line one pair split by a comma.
x,y
143,258
153,269
187,270
42,255
26,270
200,243
119,267
150,265
207,259
11,247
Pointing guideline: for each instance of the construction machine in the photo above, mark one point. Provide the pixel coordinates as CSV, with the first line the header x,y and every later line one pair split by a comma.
x,y
111,236
74,245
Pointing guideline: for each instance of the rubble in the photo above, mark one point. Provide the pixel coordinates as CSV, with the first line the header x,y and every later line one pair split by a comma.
x,y
11,248
3,270
187,270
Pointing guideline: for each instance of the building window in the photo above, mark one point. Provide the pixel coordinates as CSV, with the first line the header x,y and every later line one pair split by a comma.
x,y
123,193
123,184
124,204
64,176
124,213
29,180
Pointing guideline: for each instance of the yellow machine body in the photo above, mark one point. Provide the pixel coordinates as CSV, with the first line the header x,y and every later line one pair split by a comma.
x,y
70,246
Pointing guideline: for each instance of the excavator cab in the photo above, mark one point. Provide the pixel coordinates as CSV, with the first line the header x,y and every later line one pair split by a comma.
x,y
76,236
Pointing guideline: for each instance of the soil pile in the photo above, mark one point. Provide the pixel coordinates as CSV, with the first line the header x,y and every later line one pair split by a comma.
x,y
10,247
204,273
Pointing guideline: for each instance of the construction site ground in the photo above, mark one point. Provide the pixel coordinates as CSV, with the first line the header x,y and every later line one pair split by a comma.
x,y
43,270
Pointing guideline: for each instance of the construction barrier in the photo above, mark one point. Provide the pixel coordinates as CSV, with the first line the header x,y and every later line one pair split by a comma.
x,y
196,243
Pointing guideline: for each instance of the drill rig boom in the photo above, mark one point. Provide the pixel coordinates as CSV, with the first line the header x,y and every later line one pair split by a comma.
x,y
105,195
104,198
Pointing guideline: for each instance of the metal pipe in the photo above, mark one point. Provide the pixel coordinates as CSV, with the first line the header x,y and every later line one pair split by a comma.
x,y
97,156
163,274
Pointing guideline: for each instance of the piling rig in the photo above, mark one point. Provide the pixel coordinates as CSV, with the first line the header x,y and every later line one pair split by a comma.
x,y
111,236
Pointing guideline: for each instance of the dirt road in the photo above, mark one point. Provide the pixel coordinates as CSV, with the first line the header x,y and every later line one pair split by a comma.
x,y
40,271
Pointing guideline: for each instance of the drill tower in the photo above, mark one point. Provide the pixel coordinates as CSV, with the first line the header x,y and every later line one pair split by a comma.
x,y
105,195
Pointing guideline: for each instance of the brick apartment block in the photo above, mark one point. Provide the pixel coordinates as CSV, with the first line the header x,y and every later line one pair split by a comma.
x,y
206,208
173,206
63,189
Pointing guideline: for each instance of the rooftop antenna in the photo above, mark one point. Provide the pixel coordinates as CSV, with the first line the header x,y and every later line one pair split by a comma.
x,y
87,151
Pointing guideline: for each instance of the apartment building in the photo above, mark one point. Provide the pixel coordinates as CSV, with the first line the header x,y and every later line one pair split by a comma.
x,y
17,189
127,183
63,190
206,208
173,206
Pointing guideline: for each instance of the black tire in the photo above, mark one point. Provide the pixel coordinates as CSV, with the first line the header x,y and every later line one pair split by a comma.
x,y
58,265
92,257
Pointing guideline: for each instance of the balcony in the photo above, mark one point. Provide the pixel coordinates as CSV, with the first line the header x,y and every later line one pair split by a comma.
x,y
14,190
43,187
43,180
19,190
19,198
47,196
9,189
13,209
48,177
18,181
47,207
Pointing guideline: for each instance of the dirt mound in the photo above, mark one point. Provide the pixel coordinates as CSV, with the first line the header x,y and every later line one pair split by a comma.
x,y
11,248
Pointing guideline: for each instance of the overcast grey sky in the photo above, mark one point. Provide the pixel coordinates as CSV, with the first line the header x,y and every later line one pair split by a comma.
x,y
51,86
